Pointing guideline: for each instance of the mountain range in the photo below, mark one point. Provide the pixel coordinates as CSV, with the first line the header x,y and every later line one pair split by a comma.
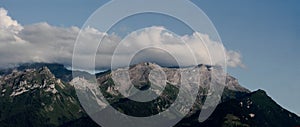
x,y
44,94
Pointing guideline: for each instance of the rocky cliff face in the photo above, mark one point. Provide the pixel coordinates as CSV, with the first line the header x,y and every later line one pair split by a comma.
x,y
122,83
35,97
44,95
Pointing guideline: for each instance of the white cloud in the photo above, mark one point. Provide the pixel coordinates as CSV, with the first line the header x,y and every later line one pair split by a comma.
x,y
234,59
42,42
7,23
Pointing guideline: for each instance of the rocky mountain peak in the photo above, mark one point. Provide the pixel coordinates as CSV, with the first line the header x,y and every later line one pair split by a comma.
x,y
141,73
45,70
41,95
144,65
37,93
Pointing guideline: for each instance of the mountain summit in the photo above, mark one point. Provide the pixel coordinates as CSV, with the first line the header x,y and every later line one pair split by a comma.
x,y
44,95
35,97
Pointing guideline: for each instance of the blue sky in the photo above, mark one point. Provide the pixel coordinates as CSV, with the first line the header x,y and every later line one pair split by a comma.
x,y
266,33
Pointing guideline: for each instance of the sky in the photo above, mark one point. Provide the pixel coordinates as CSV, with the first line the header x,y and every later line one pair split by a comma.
x,y
262,37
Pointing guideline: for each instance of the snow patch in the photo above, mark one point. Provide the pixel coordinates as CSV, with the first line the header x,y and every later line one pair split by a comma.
x,y
19,92
252,115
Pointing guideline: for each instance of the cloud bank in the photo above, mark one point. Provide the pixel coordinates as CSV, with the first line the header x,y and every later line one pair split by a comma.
x,y
42,42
